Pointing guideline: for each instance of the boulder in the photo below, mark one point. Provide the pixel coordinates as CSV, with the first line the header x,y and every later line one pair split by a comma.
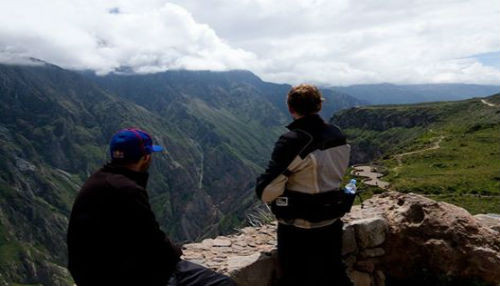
x,y
442,238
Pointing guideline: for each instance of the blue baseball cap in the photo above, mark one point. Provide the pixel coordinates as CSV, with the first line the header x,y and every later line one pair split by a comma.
x,y
131,144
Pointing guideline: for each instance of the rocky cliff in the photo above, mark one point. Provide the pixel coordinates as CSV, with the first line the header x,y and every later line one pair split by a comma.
x,y
395,239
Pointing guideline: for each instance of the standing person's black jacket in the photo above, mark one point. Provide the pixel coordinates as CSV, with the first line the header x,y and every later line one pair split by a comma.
x,y
113,236
306,168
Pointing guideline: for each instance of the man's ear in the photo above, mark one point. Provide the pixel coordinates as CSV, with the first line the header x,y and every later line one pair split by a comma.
x,y
145,162
293,113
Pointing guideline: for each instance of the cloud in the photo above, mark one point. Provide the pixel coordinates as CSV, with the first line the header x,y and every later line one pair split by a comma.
x,y
368,41
332,42
146,36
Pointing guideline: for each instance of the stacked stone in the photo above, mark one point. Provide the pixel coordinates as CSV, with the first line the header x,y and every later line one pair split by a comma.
x,y
250,256
378,240
232,254
362,249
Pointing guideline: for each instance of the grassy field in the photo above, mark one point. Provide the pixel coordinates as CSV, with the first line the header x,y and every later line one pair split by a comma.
x,y
457,156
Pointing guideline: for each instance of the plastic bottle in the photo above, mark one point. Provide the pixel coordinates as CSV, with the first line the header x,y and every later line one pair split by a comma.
x,y
351,187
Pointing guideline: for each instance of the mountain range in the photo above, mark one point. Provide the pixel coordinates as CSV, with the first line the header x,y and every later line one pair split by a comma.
x,y
218,129
386,93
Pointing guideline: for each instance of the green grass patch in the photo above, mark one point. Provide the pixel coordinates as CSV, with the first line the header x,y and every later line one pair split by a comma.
x,y
464,171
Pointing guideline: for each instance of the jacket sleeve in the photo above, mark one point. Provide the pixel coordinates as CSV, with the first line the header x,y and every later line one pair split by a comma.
x,y
271,184
155,247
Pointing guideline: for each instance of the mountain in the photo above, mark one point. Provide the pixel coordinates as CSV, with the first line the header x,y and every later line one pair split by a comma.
x,y
218,129
155,91
400,94
446,150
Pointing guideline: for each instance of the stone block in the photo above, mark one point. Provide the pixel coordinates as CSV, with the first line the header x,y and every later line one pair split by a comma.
x,y
221,242
373,252
360,278
365,266
256,269
370,232
379,278
349,244
349,261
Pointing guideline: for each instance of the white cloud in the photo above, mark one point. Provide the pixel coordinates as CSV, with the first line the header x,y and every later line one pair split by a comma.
x,y
322,41
346,42
107,35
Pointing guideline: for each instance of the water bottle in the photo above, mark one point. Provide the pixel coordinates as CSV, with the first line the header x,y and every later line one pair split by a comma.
x,y
351,187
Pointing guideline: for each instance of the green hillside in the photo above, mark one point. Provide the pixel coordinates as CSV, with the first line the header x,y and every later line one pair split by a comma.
x,y
447,150
218,129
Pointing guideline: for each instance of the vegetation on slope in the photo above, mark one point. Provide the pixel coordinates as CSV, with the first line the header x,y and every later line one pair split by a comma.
x,y
463,170
218,130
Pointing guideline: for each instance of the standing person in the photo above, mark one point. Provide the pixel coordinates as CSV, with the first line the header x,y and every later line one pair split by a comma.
x,y
302,184
113,237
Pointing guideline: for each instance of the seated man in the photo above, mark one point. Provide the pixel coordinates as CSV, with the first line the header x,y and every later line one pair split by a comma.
x,y
113,237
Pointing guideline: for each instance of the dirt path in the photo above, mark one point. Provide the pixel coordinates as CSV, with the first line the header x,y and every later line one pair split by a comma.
x,y
488,103
372,177
435,145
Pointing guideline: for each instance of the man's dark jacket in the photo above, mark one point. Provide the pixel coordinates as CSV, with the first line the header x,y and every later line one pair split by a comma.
x,y
307,165
113,236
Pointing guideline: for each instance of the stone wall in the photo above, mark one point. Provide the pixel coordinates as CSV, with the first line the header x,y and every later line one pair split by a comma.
x,y
393,237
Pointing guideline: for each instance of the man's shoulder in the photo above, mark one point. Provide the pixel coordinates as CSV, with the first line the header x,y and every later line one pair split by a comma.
x,y
335,131
122,183
292,142
296,136
103,180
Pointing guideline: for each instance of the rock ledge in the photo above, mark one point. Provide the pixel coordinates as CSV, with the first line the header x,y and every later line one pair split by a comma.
x,y
394,237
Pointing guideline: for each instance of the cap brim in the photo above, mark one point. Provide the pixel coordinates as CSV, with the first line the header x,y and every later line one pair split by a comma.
x,y
156,148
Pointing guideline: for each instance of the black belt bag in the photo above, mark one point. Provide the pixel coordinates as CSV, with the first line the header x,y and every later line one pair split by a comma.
x,y
312,207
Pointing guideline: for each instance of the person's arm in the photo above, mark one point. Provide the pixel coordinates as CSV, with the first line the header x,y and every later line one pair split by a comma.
x,y
156,250
271,184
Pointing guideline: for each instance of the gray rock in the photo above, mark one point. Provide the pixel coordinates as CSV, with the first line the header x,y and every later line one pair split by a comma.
x,y
221,242
373,252
24,166
256,269
371,231
238,262
367,266
349,240
379,278
360,278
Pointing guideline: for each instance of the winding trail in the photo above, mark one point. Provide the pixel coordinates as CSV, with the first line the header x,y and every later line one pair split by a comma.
x,y
488,103
435,145
372,177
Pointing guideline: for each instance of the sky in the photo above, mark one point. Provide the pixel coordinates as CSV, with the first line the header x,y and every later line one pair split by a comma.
x,y
327,42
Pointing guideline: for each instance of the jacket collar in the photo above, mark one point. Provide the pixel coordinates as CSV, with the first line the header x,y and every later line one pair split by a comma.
x,y
141,178
306,122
